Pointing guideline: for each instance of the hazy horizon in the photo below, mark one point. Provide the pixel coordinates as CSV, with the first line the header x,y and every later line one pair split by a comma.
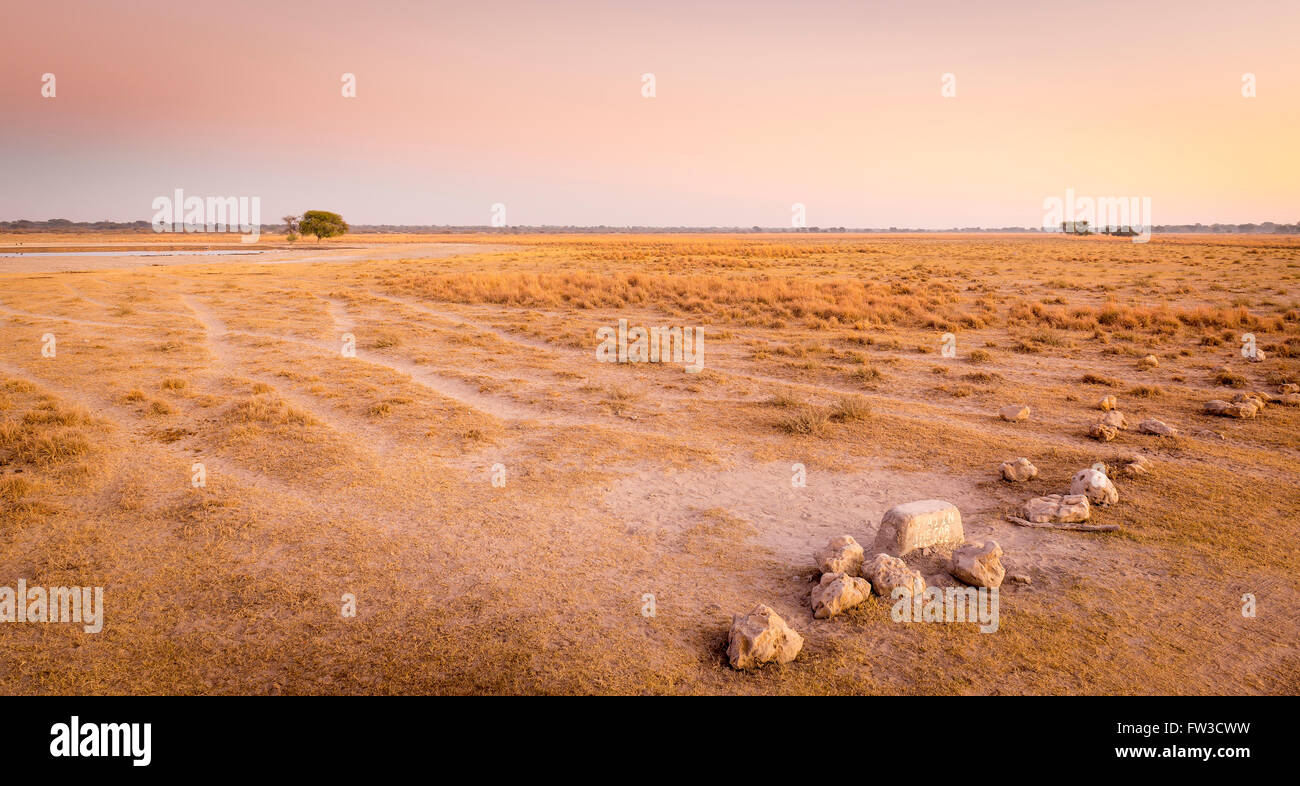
x,y
837,107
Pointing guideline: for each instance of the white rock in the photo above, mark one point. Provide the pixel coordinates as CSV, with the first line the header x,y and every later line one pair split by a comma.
x,y
760,637
837,592
1259,400
1095,486
1103,432
841,555
1242,409
1114,418
1019,470
889,573
1056,509
1014,413
1157,427
918,525
1137,465
979,564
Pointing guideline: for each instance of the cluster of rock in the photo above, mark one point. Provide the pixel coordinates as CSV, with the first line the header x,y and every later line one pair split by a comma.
x,y
1110,424
1113,422
1248,405
840,587
848,577
1243,405
1088,487
1288,395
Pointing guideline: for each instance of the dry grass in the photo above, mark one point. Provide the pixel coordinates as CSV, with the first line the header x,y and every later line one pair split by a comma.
x,y
806,421
1230,379
373,475
1099,379
851,408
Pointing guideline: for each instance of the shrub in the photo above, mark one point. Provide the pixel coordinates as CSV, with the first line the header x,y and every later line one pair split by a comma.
x,y
1097,379
1229,379
784,400
851,408
1145,391
806,421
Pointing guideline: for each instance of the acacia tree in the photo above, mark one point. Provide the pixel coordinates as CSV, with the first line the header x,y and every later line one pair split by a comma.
x,y
291,227
322,224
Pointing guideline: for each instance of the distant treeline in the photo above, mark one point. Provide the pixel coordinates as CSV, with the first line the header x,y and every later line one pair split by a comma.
x,y
64,225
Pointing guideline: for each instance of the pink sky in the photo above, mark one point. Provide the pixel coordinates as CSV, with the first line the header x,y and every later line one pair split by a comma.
x,y
759,105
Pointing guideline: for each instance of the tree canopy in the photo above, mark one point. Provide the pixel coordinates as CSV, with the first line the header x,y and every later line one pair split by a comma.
x,y
322,224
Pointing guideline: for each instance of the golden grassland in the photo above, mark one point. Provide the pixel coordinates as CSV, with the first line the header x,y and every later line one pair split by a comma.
x,y
371,475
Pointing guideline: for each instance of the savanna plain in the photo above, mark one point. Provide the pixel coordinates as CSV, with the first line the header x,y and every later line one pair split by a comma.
x,y
371,474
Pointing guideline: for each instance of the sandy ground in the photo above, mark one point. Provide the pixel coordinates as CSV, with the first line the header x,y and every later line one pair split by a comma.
x,y
372,474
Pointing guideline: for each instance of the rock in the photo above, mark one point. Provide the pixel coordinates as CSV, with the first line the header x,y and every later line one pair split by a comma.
x,y
918,525
1094,485
1107,403
1014,413
841,555
1115,419
1289,399
1056,509
1103,432
1288,387
1257,357
979,564
1243,409
1149,362
760,637
1018,471
1021,578
1137,465
837,592
1251,398
1157,427
888,573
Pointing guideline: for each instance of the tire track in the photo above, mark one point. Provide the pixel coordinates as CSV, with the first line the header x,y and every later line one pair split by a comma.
x,y
182,451
214,331
465,393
